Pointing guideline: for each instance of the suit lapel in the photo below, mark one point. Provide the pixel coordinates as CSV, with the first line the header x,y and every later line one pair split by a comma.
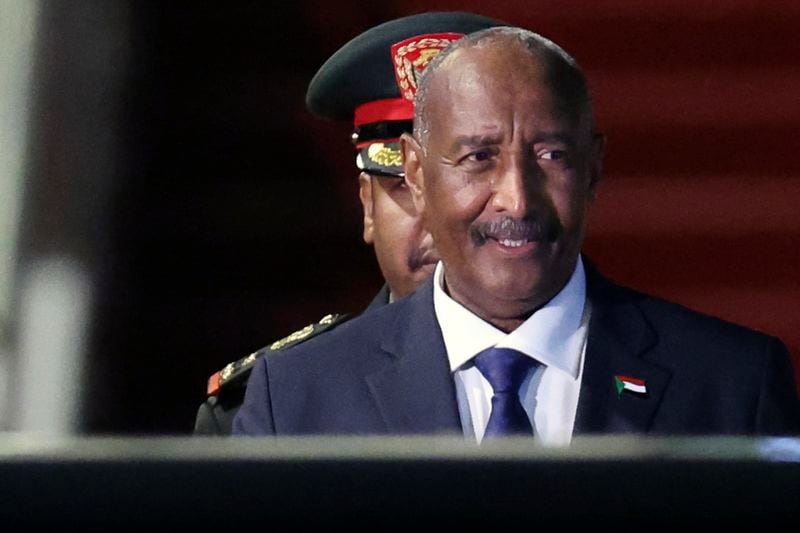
x,y
415,392
618,343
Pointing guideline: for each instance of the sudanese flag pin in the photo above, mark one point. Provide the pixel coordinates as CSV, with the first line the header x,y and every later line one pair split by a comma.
x,y
627,383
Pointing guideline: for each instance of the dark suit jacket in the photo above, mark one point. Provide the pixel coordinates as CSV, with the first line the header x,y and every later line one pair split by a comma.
x,y
386,372
215,414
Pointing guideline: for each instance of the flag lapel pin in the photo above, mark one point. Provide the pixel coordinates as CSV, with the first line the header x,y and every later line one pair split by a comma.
x,y
627,383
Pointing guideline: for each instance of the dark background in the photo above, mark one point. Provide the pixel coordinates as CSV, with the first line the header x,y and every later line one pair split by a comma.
x,y
233,217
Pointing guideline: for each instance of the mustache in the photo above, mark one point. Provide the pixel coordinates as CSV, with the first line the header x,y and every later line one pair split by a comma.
x,y
421,257
539,229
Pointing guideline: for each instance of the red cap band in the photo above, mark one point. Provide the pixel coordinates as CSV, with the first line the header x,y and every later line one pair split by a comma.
x,y
380,110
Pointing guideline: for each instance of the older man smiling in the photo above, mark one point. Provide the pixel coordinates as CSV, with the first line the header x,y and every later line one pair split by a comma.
x,y
515,335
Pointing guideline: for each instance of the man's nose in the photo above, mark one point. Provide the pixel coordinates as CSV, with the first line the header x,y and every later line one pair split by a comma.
x,y
514,186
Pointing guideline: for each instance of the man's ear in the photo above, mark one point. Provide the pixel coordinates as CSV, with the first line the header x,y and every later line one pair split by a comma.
x,y
598,150
412,163
365,194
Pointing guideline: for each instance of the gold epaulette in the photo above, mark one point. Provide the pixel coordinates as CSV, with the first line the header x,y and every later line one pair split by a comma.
x,y
239,371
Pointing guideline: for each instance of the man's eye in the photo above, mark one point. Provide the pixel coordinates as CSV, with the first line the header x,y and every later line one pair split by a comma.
x,y
553,155
478,156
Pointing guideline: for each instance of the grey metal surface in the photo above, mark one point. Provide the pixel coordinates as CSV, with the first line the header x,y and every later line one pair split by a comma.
x,y
398,482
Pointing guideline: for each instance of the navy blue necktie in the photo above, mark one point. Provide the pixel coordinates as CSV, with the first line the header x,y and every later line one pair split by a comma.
x,y
505,369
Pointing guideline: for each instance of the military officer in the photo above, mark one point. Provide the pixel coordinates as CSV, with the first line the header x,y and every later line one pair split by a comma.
x,y
370,81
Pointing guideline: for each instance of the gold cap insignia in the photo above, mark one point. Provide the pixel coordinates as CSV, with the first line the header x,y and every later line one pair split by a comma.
x,y
384,155
413,55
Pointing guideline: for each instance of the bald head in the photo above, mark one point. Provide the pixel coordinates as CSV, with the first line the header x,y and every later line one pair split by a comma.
x,y
511,51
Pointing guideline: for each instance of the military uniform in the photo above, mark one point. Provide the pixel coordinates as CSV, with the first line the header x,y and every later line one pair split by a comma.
x,y
226,388
370,81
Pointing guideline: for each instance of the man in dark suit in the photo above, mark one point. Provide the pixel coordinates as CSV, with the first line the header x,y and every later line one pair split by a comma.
x,y
362,83
516,333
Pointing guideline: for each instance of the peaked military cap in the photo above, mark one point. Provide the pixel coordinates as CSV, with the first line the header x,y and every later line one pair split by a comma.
x,y
372,79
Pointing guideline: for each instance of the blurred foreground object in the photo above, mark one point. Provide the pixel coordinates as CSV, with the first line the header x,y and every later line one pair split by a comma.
x,y
307,482
61,74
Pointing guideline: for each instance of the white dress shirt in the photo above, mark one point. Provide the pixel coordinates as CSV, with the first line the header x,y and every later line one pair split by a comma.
x,y
555,336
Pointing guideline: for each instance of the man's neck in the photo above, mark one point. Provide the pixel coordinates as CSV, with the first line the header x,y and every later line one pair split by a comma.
x,y
518,311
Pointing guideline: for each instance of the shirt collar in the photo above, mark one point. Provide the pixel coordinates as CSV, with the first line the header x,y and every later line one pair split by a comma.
x,y
550,335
